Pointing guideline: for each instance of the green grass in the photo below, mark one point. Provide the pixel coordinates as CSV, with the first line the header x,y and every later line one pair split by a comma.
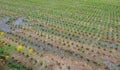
x,y
68,8
8,48
12,65
16,66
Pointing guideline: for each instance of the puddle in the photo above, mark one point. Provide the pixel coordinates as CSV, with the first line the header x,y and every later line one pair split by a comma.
x,y
111,65
6,27
19,21
3,26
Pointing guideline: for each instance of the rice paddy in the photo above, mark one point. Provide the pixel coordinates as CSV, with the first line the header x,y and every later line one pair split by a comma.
x,y
59,35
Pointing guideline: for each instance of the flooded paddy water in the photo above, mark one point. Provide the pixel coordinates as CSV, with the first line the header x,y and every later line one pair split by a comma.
x,y
12,26
40,38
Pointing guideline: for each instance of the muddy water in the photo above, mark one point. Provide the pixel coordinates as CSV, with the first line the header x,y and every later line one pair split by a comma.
x,y
48,48
111,65
3,26
20,21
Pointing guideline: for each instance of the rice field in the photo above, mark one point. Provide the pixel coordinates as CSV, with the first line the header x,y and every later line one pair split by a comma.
x,y
59,35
